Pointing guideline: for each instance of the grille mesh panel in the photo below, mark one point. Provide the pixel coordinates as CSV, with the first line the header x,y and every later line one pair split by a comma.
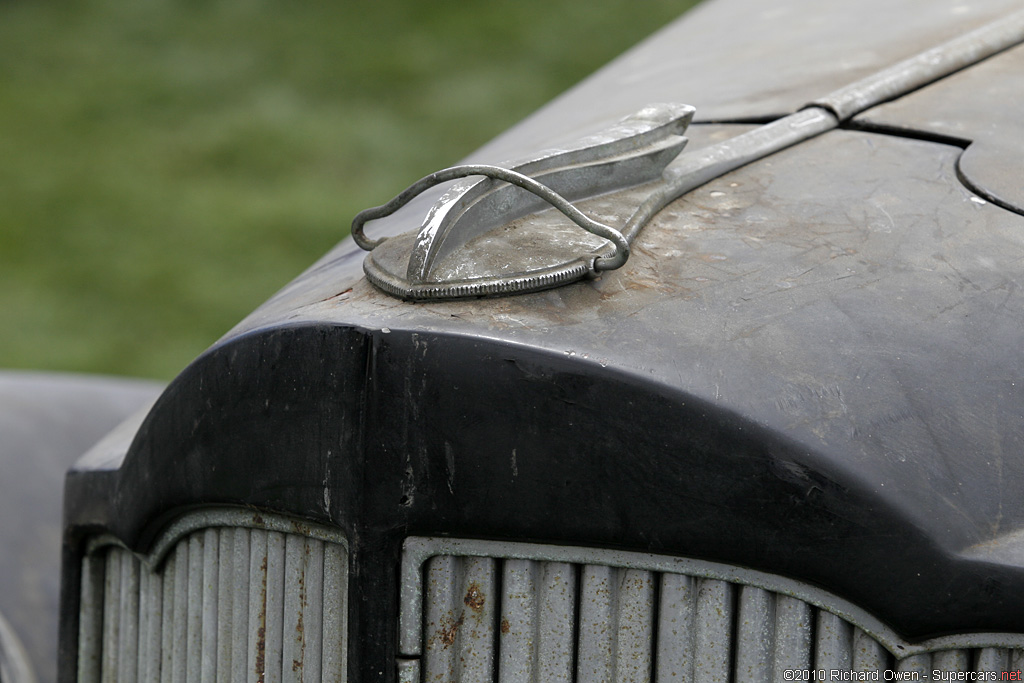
x,y
526,621
227,604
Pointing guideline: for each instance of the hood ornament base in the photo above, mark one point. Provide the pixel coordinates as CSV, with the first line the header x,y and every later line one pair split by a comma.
x,y
516,230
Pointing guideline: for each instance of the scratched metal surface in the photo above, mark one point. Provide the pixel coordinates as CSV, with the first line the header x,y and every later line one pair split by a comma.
x,y
736,59
849,292
982,106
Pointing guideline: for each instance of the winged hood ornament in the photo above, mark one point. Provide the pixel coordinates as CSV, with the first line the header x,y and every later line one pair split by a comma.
x,y
472,243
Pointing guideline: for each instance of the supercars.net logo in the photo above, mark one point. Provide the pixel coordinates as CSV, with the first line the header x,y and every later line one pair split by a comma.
x,y
890,675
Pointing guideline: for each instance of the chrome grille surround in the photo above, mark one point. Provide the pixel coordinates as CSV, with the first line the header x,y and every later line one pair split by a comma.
x,y
517,612
225,595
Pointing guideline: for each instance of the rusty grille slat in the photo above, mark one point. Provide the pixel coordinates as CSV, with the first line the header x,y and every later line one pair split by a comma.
x,y
588,622
227,604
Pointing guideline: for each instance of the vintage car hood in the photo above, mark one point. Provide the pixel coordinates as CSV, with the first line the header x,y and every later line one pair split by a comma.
x,y
740,61
809,366
978,109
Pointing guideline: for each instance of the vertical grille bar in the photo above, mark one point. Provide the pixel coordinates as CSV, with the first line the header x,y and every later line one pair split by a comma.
x,y
293,643
228,604
111,612
713,631
90,624
312,611
256,611
676,620
556,622
794,629
992,659
477,594
209,619
273,620
519,626
128,618
755,635
241,633
596,639
834,643
442,615
335,610
194,609
179,618
635,626
151,632
167,619
1016,659
226,578
917,664
953,660
868,653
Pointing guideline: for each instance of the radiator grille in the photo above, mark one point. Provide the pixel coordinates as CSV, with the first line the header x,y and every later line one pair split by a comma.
x,y
225,604
518,620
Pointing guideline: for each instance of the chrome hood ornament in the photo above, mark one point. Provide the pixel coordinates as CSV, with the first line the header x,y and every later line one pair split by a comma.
x,y
474,241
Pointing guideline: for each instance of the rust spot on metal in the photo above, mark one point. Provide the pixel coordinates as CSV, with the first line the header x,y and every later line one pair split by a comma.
x,y
340,295
296,665
303,604
257,519
505,626
474,598
711,258
261,650
261,632
447,635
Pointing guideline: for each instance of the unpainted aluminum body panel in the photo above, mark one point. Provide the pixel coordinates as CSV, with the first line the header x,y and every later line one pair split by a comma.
x,y
46,421
981,106
795,54
736,60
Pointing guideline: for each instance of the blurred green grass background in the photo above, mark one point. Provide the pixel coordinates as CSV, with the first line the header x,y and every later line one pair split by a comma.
x,y
166,165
